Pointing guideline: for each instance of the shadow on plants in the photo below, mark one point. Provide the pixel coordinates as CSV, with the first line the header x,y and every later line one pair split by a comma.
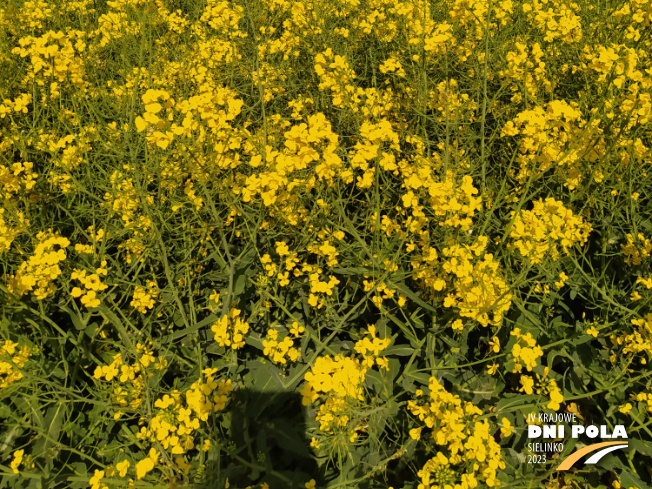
x,y
267,442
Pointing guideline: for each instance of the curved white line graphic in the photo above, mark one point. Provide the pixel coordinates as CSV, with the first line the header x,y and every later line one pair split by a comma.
x,y
595,458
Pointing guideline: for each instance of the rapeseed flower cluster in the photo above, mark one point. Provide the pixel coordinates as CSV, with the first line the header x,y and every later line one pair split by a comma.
x,y
547,231
143,299
68,154
319,287
370,347
92,285
552,137
11,226
637,342
17,460
18,105
231,329
280,351
96,238
15,178
468,441
636,249
380,288
38,273
645,397
13,358
96,481
338,375
175,422
549,387
525,351
130,377
55,59
480,288
336,385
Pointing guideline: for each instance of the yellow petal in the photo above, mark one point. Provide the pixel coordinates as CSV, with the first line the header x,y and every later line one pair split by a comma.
x,y
141,125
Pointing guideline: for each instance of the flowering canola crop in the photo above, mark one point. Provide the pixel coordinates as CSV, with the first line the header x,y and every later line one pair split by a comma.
x,y
344,243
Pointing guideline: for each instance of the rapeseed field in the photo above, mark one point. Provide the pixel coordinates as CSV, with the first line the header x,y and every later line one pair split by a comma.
x,y
288,244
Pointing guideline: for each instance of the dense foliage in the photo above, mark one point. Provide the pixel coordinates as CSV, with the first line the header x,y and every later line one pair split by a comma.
x,y
336,243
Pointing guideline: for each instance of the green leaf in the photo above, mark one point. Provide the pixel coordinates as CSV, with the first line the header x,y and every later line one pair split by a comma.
x,y
374,380
52,422
211,318
77,321
265,377
240,282
255,340
351,271
643,447
403,289
215,349
627,480
510,403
